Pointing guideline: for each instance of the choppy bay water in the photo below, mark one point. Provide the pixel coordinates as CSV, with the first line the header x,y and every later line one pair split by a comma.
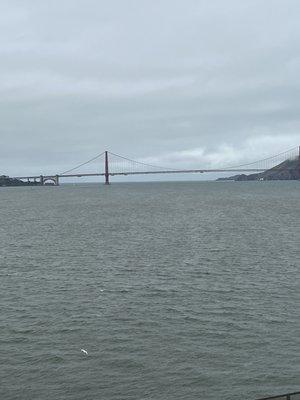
x,y
176,290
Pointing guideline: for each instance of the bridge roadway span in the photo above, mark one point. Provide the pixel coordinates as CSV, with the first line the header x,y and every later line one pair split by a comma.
x,y
55,178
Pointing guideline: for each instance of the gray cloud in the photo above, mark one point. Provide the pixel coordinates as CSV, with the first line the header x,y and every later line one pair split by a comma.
x,y
191,82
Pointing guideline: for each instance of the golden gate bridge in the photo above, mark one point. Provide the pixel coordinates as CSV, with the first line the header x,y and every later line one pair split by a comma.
x,y
110,164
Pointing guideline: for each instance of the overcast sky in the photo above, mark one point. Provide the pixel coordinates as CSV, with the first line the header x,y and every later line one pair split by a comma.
x,y
190,82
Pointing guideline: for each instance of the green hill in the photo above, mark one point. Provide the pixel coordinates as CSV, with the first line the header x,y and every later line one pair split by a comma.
x,y
7,181
289,170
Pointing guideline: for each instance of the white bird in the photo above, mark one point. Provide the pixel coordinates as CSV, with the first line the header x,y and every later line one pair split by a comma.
x,y
84,351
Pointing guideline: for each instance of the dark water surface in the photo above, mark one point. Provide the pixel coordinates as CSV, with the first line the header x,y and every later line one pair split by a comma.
x,y
176,290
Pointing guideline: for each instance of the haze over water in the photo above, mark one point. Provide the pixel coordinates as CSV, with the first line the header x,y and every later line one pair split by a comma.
x,y
176,290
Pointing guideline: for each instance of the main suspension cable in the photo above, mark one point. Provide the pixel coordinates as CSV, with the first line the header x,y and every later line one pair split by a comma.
x,y
265,159
84,163
142,163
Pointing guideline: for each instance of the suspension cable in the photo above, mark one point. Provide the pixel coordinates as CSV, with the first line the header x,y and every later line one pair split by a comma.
x,y
264,159
84,163
168,168
141,163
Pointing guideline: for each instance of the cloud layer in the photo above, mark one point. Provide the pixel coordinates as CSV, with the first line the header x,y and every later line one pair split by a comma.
x,y
166,81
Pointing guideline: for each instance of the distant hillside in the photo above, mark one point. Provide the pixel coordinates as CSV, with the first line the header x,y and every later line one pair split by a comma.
x,y
7,181
289,170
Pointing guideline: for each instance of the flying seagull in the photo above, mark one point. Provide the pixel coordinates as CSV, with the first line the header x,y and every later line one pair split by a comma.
x,y
84,351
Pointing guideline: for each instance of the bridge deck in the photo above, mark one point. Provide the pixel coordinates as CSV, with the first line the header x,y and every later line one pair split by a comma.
x,y
183,171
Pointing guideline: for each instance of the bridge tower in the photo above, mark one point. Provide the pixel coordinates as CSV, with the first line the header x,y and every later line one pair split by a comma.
x,y
106,174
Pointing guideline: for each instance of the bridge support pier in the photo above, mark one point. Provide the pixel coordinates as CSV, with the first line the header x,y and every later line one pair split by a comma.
x,y
54,180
